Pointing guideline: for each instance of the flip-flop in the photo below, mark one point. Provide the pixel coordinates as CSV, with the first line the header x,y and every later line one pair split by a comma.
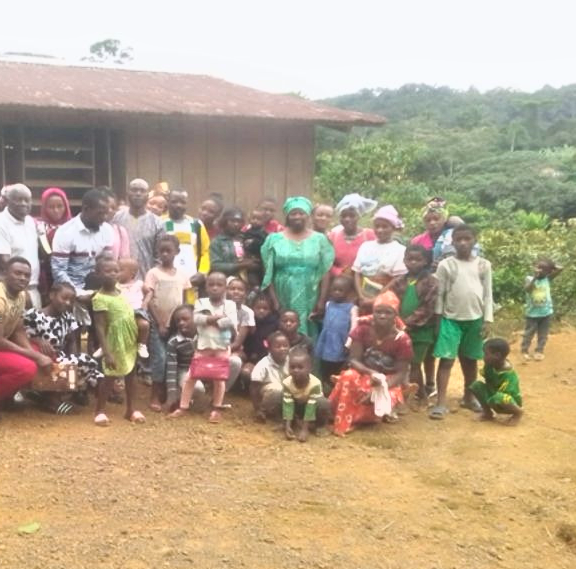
x,y
137,418
64,408
101,420
473,405
438,413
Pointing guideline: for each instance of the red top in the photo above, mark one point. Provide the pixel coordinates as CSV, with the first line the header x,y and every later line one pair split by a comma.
x,y
399,347
345,251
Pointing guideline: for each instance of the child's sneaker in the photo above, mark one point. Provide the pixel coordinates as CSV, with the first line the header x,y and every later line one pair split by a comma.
x,y
143,351
98,354
526,357
538,356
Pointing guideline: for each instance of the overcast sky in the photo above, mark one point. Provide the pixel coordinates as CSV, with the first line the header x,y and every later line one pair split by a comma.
x,y
319,48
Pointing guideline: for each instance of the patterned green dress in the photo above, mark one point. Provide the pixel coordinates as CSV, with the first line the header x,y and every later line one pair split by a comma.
x,y
296,269
121,332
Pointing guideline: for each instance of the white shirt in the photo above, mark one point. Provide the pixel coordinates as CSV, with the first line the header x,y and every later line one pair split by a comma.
x,y
20,239
268,371
379,259
75,248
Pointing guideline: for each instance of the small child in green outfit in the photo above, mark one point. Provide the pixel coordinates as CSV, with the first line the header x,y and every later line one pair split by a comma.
x,y
303,404
500,390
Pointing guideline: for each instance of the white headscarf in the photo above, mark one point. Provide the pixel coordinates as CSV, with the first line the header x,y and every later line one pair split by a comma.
x,y
361,204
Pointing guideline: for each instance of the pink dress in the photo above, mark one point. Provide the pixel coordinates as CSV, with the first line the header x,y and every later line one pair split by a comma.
x,y
345,251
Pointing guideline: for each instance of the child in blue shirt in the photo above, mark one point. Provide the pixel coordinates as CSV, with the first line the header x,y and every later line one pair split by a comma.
x,y
539,308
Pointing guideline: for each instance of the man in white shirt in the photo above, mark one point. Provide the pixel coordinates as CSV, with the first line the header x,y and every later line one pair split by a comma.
x,y
18,235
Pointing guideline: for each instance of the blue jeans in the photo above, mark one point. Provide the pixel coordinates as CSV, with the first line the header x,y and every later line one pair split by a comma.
x,y
157,349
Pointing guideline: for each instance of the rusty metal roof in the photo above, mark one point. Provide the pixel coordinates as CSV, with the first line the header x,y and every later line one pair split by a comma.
x,y
48,86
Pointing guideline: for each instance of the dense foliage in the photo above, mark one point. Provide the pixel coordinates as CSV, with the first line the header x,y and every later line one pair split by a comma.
x,y
506,161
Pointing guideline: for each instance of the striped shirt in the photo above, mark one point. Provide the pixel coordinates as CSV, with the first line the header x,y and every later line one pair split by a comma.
x,y
74,251
179,352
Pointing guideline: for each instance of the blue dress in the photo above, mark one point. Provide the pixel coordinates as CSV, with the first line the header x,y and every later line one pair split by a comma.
x,y
335,330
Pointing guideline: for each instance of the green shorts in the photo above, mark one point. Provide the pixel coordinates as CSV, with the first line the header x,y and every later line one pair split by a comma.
x,y
460,338
422,342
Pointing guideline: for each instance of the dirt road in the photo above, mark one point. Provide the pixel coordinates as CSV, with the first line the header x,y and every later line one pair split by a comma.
x,y
186,494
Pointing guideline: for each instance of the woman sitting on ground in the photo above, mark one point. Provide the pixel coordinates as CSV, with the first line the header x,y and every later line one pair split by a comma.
x,y
380,357
54,331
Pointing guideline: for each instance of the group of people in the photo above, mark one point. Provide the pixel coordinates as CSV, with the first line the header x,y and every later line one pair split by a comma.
x,y
321,320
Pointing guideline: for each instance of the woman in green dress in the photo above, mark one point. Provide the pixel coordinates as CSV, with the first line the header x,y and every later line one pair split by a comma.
x,y
117,334
295,262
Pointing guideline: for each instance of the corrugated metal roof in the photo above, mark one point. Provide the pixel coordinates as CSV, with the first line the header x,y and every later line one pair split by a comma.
x,y
26,85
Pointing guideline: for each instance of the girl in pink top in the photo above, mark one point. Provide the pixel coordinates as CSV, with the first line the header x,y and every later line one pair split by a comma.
x,y
347,237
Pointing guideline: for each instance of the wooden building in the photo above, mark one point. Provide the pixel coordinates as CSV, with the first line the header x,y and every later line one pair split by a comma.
x,y
78,127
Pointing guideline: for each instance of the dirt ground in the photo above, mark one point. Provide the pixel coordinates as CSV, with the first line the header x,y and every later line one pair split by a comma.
x,y
184,494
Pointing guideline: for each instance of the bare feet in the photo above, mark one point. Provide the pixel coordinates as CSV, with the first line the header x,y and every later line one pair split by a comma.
x,y
486,416
303,435
515,418
289,433
177,413
260,417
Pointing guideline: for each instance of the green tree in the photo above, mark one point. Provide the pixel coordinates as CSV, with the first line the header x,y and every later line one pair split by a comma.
x,y
109,51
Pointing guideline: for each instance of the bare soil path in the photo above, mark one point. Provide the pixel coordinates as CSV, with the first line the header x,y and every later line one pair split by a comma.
x,y
186,494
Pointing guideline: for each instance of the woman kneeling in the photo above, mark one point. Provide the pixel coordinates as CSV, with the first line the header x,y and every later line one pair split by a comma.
x,y
380,357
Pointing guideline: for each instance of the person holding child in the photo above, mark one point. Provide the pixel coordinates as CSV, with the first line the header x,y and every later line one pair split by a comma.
x,y
165,287
227,253
465,311
539,307
295,263
500,390
418,292
380,356
379,261
117,335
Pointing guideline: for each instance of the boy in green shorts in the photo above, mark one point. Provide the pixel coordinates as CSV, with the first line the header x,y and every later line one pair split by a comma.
x,y
464,309
500,392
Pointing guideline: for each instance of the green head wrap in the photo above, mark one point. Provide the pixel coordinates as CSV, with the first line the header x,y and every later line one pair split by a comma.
x,y
297,202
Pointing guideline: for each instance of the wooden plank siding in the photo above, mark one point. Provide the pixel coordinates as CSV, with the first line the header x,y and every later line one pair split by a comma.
x,y
244,161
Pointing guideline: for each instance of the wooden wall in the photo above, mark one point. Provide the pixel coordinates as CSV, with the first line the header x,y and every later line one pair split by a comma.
x,y
242,160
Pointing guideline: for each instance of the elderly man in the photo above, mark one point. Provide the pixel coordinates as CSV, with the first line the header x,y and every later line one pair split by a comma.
x,y
79,241
194,257
143,226
19,362
18,235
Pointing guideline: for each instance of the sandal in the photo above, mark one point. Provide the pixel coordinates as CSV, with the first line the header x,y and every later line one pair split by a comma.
x,y
137,418
101,420
471,404
215,416
438,413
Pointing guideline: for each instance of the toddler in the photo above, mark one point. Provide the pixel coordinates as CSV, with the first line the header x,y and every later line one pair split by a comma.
x,y
132,289
500,390
266,320
339,318
539,308
302,401
253,237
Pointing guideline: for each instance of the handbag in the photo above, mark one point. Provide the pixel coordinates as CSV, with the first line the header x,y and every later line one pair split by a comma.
x,y
62,377
210,368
